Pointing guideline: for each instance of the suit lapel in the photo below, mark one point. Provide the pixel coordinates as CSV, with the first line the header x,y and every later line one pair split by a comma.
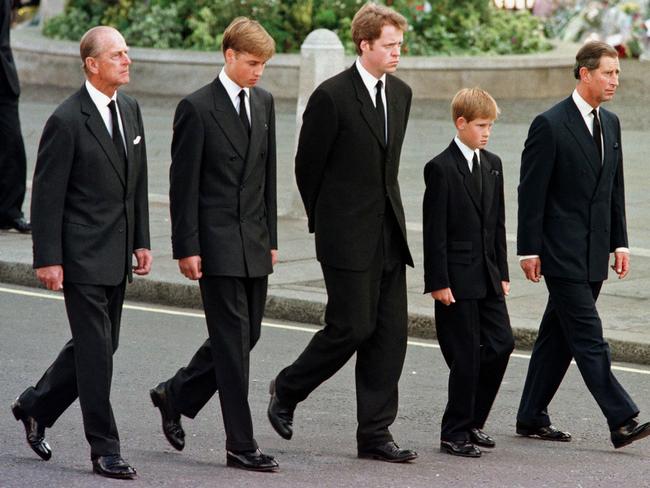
x,y
258,128
576,125
394,108
225,115
463,167
368,110
97,128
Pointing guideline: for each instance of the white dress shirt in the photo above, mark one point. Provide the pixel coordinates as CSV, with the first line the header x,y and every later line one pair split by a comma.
x,y
370,82
468,153
233,90
101,101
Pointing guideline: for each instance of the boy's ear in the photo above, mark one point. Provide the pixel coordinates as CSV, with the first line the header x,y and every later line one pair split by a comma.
x,y
460,123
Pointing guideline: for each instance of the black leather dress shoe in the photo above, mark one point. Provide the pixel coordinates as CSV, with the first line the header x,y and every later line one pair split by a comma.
x,y
171,421
389,452
480,438
630,432
548,433
251,460
19,224
113,466
280,415
460,448
34,431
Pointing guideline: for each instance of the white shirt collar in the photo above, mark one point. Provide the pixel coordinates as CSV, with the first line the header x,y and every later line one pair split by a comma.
x,y
231,87
99,98
584,107
467,151
369,80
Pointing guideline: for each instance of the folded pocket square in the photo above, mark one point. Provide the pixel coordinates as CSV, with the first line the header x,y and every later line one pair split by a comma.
x,y
136,141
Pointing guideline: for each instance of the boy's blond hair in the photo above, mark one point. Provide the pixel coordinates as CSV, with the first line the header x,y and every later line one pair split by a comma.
x,y
474,103
248,36
369,21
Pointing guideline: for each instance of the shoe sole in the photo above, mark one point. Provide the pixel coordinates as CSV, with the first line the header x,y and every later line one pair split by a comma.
x,y
452,453
641,435
235,464
154,399
375,457
115,476
525,433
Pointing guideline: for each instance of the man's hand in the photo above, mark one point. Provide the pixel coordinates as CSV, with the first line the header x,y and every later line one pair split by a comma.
x,y
144,259
51,277
505,286
621,264
190,267
444,296
532,268
274,257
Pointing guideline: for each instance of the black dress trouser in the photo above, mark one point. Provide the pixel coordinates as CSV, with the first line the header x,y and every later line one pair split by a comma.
x,y
234,308
84,367
13,163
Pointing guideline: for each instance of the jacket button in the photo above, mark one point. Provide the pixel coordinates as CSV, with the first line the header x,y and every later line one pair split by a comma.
x,y
241,188
243,221
121,230
233,158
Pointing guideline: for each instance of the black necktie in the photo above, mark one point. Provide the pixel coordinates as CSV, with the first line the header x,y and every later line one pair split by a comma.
x,y
379,104
477,180
597,135
117,137
243,116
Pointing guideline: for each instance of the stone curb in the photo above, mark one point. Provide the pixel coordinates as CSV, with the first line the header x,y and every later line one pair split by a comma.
x,y
299,310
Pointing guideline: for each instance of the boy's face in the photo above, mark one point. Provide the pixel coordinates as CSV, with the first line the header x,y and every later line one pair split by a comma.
x,y
243,68
474,134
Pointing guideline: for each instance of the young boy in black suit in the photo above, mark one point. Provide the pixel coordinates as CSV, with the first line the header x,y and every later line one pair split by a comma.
x,y
466,271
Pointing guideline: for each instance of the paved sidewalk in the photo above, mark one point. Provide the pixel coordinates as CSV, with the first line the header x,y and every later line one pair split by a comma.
x,y
296,288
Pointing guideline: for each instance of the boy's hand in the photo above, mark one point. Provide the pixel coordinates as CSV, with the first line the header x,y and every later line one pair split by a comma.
x,y
505,286
444,295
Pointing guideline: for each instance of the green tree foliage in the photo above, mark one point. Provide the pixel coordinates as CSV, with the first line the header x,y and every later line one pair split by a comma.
x,y
435,26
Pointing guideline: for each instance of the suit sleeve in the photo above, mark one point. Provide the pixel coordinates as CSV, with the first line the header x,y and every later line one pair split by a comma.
x,y
53,166
618,220
184,175
537,161
270,194
501,243
434,228
318,132
141,237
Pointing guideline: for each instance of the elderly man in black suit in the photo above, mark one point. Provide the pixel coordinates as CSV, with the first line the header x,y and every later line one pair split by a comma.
x,y
90,214
224,234
346,169
13,164
571,217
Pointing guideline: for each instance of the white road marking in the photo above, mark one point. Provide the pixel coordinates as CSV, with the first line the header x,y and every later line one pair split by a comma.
x,y
273,325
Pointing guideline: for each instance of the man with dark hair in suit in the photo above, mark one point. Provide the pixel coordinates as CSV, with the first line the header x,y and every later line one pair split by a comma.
x,y
346,169
13,164
224,234
90,214
571,217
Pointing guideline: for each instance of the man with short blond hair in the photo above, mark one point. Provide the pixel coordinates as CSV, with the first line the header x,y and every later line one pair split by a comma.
x,y
224,234
90,214
346,169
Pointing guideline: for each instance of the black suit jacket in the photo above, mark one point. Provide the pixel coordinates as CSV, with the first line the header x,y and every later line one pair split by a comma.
x,y
223,189
87,214
346,173
8,75
571,208
464,233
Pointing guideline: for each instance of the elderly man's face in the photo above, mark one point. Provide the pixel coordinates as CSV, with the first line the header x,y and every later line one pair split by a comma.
x,y
111,66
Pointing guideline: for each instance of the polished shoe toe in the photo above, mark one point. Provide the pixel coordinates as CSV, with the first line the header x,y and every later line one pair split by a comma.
x,y
389,452
113,466
460,448
629,432
546,433
171,421
280,415
34,431
19,224
480,438
251,460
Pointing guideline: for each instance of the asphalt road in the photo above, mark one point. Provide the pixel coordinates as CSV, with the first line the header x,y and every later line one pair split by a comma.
x,y
156,341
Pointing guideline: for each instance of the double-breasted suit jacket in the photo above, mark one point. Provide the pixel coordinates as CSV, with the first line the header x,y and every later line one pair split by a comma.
x,y
89,212
464,233
347,189
223,188
571,207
